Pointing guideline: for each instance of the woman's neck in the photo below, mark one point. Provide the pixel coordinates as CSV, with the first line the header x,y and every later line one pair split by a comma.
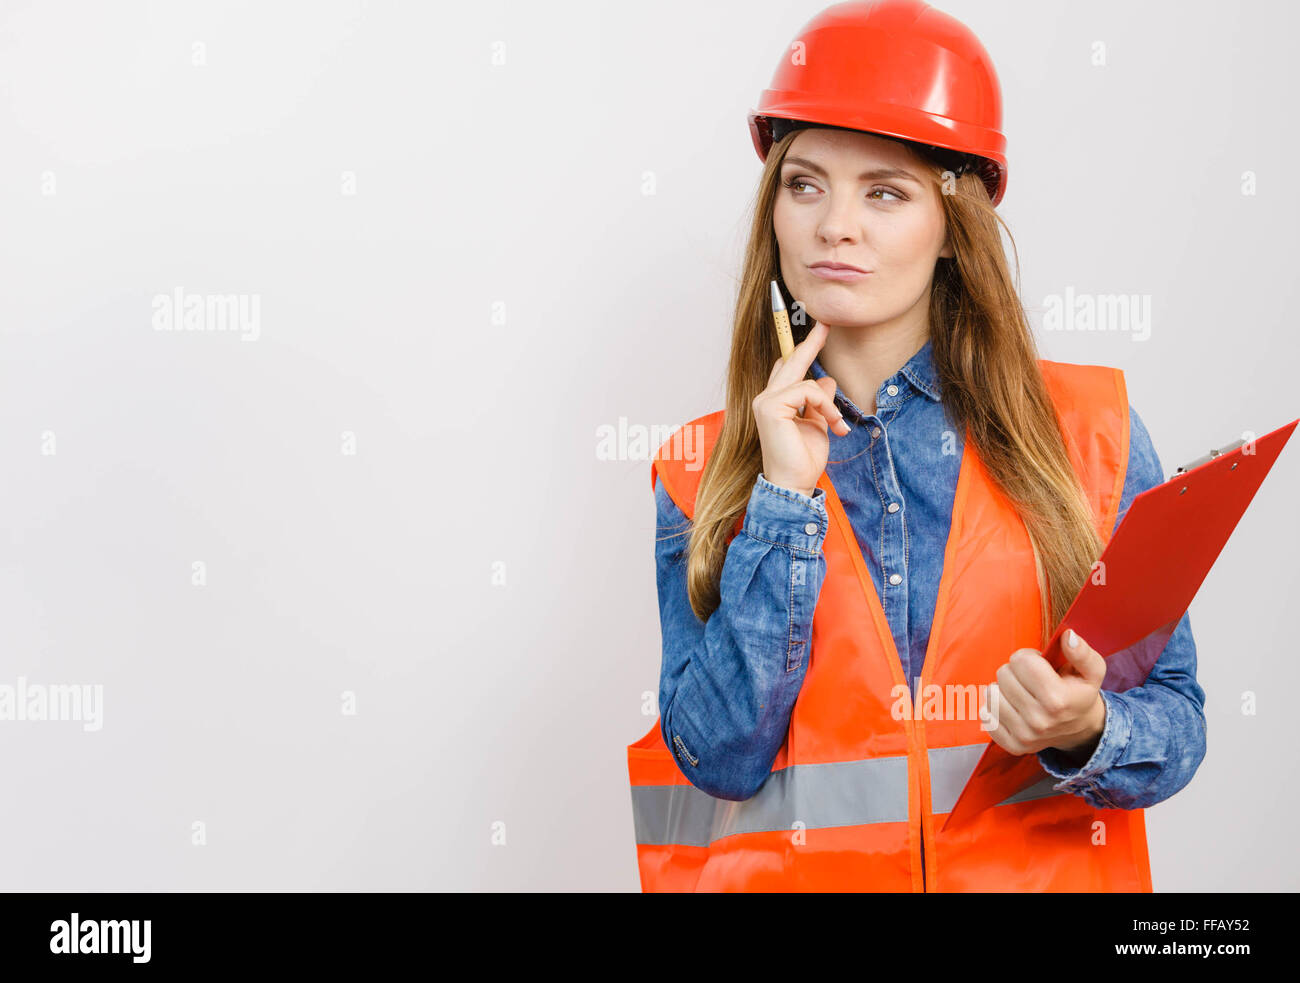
x,y
861,359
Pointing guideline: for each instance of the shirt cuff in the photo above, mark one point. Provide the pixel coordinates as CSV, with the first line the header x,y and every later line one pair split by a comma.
x,y
784,517
1110,746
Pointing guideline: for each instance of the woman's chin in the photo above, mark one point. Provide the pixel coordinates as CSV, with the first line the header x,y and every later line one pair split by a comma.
x,y
843,300
847,315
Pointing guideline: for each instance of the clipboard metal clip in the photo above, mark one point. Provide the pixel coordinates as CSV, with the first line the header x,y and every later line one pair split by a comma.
x,y
1207,458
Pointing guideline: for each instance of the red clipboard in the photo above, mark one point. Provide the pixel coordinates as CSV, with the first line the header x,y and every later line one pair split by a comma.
x,y
1153,566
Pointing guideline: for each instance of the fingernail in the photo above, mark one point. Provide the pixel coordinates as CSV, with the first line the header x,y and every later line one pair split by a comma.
x,y
1071,639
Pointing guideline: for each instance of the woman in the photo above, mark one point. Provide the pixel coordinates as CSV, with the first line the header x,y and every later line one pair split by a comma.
x,y
891,522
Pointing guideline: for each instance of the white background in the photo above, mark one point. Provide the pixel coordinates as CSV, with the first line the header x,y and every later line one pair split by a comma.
x,y
499,287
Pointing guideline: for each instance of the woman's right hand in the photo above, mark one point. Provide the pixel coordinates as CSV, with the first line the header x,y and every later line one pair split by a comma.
x,y
795,448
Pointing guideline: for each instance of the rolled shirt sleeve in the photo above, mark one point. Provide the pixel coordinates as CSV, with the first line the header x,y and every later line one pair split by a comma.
x,y
727,686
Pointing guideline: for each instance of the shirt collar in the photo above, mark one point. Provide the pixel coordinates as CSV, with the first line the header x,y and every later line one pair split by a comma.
x,y
918,370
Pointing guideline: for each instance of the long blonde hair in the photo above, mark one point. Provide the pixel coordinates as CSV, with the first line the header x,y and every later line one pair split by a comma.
x,y
991,383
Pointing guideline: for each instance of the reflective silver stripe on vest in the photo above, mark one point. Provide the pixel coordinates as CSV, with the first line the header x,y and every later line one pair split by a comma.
x,y
842,793
951,768
845,793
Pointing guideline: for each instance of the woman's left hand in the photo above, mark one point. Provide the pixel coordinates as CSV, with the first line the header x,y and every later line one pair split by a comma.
x,y
1032,707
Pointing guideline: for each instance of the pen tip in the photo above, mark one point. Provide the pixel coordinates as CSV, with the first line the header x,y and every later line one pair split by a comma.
x,y
778,303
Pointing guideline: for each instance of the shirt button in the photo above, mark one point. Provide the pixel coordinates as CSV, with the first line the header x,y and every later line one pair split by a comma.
x,y
895,579
892,390
875,431
811,529
893,506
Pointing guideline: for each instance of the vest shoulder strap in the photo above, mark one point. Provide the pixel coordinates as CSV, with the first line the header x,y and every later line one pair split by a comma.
x,y
680,459
1092,404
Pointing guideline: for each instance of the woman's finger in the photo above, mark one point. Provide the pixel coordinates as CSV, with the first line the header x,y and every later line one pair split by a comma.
x,y
772,375
1005,725
1015,694
828,385
790,370
813,397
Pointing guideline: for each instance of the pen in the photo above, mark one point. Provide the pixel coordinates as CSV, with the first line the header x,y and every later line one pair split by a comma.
x,y
782,320
783,335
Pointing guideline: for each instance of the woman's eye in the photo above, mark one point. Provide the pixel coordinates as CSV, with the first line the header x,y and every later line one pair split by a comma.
x,y
794,184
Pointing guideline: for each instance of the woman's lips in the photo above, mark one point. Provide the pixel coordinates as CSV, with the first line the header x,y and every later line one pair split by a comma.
x,y
827,273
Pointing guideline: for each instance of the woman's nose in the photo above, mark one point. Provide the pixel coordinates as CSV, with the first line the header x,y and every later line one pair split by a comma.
x,y
840,222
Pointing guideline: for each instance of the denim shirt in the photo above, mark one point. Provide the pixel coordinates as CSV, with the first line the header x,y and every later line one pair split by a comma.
x,y
725,696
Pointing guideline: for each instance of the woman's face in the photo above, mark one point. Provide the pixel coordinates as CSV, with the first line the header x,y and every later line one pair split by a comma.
x,y
852,202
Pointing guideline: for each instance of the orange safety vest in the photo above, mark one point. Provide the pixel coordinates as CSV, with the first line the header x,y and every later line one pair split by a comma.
x,y
854,790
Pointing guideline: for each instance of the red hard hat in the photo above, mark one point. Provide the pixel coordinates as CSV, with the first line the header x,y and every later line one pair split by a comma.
x,y
898,68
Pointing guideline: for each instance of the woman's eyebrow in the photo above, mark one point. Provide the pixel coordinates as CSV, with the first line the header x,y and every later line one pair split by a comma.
x,y
871,175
